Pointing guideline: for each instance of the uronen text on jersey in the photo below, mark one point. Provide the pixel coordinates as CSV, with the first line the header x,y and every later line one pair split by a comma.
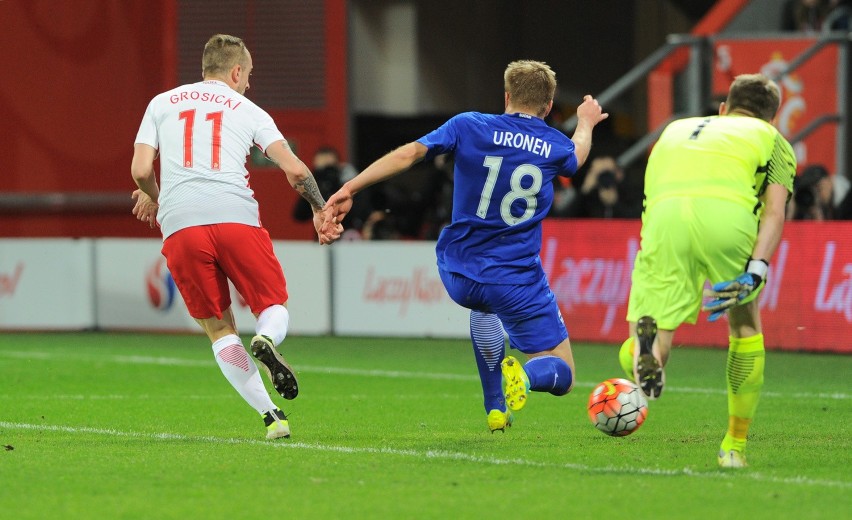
x,y
526,142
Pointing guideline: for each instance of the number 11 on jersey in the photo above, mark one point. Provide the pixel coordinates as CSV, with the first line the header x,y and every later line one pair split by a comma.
x,y
188,117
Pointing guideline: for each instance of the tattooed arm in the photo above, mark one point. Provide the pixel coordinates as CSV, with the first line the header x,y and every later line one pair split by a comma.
x,y
298,174
302,180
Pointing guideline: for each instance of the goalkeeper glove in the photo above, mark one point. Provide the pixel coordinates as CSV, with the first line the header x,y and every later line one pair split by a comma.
x,y
725,295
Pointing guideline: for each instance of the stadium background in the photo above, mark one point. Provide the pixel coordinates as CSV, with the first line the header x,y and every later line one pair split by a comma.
x,y
363,76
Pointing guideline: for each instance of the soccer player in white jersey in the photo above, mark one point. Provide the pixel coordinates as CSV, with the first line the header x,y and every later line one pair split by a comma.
x,y
488,256
209,218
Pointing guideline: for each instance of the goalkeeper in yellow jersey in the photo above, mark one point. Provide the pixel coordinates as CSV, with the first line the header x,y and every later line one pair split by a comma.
x,y
716,189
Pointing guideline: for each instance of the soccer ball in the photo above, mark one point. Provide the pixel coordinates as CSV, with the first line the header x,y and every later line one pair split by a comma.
x,y
617,407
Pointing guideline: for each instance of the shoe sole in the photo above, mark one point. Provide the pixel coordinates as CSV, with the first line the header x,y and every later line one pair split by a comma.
x,y
730,460
279,372
647,371
515,391
278,433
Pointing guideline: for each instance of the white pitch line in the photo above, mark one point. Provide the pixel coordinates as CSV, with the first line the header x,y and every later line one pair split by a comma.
x,y
228,396
393,374
112,397
440,455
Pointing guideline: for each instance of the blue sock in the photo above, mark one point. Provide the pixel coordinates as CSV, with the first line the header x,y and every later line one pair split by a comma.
x,y
549,374
486,333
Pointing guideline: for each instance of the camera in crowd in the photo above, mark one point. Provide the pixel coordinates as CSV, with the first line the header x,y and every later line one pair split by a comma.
x,y
606,179
812,198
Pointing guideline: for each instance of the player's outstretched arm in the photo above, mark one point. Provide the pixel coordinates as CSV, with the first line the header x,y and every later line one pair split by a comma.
x,y
384,168
589,114
388,166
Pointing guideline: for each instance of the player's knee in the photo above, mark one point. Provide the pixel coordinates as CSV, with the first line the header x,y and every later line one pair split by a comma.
x,y
564,380
562,391
550,374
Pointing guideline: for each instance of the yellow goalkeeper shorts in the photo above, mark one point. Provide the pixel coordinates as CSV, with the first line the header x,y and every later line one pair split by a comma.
x,y
686,241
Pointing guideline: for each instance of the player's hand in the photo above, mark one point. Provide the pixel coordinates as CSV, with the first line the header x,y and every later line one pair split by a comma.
x,y
145,209
590,111
327,234
336,209
730,293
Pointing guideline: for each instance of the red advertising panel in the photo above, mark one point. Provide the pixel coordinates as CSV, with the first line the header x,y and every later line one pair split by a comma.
x,y
806,94
806,305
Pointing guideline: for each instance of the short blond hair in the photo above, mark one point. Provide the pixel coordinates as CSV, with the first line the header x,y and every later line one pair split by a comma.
x,y
221,53
530,84
756,94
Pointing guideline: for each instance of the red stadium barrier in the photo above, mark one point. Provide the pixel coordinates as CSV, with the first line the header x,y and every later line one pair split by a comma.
x,y
806,305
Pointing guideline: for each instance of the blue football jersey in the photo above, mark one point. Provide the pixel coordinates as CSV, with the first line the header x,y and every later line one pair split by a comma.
x,y
503,188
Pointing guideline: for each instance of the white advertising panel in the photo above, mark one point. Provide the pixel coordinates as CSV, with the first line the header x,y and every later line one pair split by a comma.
x,y
392,289
136,291
306,268
46,284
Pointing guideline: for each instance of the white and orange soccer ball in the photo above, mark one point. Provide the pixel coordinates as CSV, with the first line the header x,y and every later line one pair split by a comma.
x,y
617,407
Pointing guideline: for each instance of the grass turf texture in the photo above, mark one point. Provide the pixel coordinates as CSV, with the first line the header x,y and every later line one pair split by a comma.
x,y
98,425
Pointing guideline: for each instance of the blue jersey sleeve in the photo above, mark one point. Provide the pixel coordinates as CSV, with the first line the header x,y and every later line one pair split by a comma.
x,y
443,139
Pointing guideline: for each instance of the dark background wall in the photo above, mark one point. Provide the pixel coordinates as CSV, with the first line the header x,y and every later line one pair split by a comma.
x,y
461,49
84,70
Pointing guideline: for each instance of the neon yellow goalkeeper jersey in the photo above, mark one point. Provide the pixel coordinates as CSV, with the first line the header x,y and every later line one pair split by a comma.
x,y
729,157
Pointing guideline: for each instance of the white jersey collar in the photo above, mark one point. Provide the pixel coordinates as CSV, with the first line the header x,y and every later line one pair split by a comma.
x,y
215,82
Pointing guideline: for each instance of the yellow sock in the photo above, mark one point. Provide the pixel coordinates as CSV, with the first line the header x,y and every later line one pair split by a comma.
x,y
744,373
735,439
625,357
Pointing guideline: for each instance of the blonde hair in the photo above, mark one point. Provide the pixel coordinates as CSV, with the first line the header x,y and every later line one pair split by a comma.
x,y
530,84
756,94
221,53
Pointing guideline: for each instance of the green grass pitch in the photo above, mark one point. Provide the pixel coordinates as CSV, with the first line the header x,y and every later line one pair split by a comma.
x,y
126,426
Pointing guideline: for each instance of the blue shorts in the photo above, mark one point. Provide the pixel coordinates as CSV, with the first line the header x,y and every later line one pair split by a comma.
x,y
529,313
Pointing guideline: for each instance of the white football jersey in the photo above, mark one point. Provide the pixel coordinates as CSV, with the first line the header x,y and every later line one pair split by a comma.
x,y
203,132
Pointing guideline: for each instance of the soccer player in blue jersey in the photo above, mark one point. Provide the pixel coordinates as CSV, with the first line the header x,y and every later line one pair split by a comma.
x,y
488,256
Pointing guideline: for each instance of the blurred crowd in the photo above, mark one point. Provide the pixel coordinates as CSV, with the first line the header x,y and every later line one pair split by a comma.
x,y
414,206
418,204
813,16
819,195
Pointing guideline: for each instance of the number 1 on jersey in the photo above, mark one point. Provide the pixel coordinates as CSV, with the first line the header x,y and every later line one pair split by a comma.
x,y
188,117
493,164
